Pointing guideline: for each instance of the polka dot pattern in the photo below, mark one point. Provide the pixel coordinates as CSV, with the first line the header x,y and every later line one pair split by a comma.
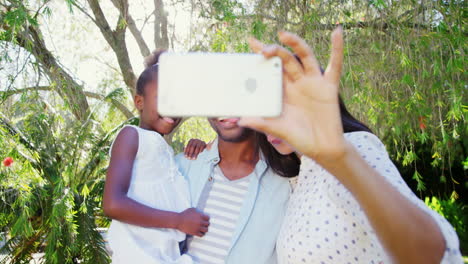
x,y
325,224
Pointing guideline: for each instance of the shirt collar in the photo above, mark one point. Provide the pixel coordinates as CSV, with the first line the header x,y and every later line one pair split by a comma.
x,y
212,155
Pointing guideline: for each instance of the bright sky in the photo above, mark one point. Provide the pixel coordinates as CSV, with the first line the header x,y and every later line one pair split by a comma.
x,y
81,48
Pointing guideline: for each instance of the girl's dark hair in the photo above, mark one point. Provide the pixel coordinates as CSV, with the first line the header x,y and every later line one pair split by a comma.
x,y
150,73
288,165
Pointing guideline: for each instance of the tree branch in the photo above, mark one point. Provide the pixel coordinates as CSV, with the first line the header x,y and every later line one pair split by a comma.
x,y
41,7
101,21
127,113
4,122
31,39
320,26
122,6
10,129
161,38
75,4
145,21
122,108
144,50
116,40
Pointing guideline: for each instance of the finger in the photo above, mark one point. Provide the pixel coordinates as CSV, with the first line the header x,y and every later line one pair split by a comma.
x,y
303,51
291,66
203,146
198,150
206,223
255,45
266,125
257,123
192,150
193,147
187,148
205,217
195,151
203,229
185,151
200,234
188,151
335,65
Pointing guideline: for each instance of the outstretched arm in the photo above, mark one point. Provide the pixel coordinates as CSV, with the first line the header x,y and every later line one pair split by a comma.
x,y
311,123
408,233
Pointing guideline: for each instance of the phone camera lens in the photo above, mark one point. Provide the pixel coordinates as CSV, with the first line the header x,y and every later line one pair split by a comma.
x,y
251,85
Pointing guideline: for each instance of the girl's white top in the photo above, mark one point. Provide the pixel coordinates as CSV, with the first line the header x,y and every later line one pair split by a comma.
x,y
157,183
325,224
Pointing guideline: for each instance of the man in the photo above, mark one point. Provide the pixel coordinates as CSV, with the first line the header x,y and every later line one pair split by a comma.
x,y
245,199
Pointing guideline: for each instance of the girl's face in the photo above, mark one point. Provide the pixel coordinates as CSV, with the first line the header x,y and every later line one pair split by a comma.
x,y
148,108
281,146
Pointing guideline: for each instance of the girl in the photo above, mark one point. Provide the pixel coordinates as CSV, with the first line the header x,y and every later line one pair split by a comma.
x,y
350,204
144,193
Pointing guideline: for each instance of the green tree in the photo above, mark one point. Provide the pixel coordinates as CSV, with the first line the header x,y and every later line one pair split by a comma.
x,y
405,77
51,195
404,72
58,129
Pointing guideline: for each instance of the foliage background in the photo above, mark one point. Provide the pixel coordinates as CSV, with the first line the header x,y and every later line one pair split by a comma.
x,y
68,69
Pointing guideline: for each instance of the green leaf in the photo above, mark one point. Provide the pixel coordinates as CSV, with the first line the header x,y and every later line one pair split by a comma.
x,y
421,186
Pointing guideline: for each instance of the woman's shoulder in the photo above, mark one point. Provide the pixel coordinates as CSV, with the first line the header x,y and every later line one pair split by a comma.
x,y
360,135
365,140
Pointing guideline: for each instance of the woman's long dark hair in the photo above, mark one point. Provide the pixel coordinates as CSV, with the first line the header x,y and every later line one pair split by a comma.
x,y
349,122
283,165
288,165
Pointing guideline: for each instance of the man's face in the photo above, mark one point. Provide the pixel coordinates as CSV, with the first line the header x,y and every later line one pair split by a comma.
x,y
228,130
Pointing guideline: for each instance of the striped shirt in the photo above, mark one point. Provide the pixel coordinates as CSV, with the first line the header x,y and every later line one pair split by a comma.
x,y
222,200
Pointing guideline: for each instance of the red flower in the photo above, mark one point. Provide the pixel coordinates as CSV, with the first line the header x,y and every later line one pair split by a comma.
x,y
422,124
7,161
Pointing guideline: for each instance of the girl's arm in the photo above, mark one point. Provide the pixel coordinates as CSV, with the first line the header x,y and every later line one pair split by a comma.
x,y
117,205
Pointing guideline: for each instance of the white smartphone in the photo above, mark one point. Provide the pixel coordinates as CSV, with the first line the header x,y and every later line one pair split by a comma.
x,y
219,85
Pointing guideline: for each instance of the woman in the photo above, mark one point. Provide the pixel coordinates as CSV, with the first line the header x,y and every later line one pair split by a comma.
x,y
350,204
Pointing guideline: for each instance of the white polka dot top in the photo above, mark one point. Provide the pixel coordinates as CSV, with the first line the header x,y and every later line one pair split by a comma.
x,y
325,224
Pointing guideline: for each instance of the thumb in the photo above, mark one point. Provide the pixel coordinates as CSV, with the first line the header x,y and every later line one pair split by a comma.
x,y
257,123
266,125
255,45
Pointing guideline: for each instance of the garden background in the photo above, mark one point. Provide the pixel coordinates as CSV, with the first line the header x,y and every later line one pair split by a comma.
x,y
68,71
